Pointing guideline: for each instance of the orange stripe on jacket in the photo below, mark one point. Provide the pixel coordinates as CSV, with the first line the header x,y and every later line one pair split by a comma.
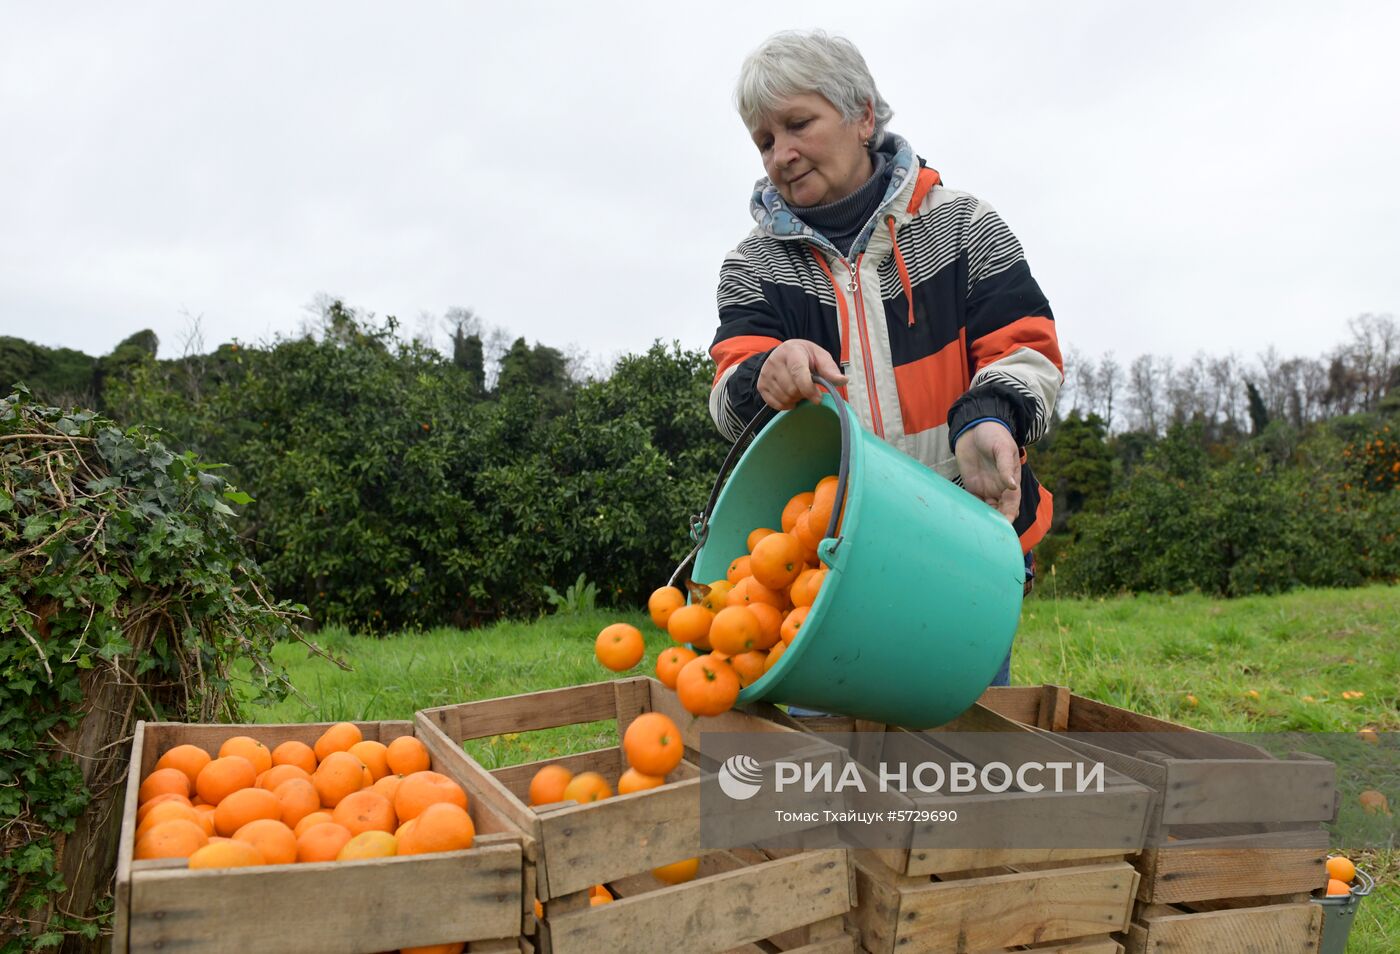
x,y
731,351
845,330
1031,332
840,304
928,178
1044,510
928,387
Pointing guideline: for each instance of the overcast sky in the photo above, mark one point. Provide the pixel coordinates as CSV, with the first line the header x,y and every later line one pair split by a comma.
x,y
1184,176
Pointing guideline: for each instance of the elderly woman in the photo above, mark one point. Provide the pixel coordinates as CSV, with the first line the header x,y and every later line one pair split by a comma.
x,y
913,298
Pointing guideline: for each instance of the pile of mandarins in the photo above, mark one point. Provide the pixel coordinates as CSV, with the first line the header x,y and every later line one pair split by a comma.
x,y
744,622
344,799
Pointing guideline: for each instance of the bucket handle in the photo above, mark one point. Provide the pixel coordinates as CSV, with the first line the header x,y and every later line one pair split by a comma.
x,y
700,523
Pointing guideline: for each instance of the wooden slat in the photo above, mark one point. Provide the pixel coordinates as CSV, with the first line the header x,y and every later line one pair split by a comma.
x,y
1239,866
1230,904
876,915
802,936
846,945
1001,911
1205,791
836,945
868,741
631,697
601,841
1088,715
471,895
1079,862
999,739
1021,703
714,914
948,861
167,735
1118,724
527,712
1007,827
528,894
1002,828
1101,945
125,844
1274,929
1015,827
1054,709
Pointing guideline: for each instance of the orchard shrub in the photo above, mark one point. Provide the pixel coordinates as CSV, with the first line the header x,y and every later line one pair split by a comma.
x,y
391,493
1269,518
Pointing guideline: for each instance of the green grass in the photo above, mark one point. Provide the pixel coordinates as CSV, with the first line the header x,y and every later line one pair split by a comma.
x,y
394,677
1151,654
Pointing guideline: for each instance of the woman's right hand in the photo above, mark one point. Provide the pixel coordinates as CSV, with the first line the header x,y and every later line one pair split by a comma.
x,y
786,375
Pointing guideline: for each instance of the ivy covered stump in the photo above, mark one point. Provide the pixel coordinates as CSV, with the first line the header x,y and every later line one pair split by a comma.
x,y
124,595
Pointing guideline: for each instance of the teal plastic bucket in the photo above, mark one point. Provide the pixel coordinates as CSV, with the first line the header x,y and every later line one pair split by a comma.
x,y
924,591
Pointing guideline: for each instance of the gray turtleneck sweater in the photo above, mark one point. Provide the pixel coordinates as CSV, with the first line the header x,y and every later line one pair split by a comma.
x,y
842,220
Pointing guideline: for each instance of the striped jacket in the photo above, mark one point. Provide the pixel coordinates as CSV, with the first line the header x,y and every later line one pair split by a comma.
x,y
934,318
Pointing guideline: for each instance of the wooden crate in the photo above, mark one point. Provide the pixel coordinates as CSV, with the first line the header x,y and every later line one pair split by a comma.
x,y
1235,927
351,907
1008,825
1004,892
1075,908
736,900
1228,819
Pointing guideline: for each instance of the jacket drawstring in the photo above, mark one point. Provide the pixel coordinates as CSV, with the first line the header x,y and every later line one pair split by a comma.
x,y
903,272
841,308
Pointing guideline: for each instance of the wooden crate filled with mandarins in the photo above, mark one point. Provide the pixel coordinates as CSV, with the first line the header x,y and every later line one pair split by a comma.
x,y
989,879
1236,841
616,833
349,838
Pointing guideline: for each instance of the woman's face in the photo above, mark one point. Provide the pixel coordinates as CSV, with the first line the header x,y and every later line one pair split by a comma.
x,y
812,155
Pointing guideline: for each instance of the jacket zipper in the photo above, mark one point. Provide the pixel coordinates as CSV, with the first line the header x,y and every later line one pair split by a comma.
x,y
853,286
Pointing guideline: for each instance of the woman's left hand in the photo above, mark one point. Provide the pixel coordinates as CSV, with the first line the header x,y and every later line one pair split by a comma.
x,y
990,461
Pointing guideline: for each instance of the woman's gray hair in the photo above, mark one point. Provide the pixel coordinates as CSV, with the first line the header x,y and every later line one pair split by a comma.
x,y
794,62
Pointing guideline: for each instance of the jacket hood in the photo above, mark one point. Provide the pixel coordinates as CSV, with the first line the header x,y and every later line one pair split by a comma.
x,y
777,219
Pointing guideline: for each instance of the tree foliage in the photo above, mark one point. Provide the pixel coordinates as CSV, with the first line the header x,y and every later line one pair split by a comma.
x,y
390,491
1278,512
397,485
